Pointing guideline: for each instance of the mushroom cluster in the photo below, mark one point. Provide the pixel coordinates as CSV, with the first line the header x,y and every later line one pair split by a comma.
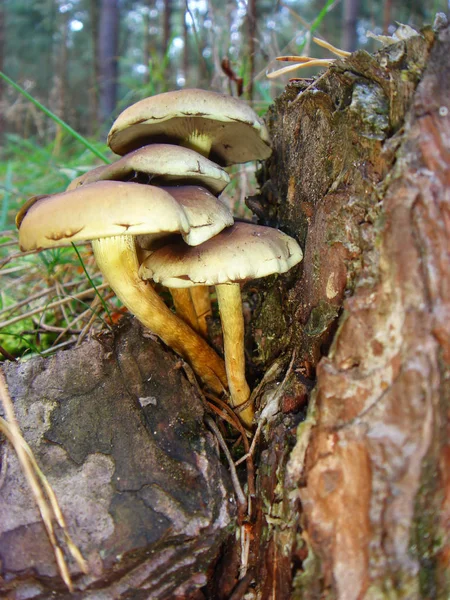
x,y
154,215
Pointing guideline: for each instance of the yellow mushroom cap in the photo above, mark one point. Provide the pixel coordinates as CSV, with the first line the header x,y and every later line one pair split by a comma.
x,y
99,210
241,252
164,164
237,133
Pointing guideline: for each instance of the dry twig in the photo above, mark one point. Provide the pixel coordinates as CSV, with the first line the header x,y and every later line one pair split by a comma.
x,y
10,428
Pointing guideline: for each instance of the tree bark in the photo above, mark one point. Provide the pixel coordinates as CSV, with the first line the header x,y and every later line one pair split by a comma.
x,y
354,500
108,58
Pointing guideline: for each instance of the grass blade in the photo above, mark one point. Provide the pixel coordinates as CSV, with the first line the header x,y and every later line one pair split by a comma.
x,y
6,197
100,297
56,119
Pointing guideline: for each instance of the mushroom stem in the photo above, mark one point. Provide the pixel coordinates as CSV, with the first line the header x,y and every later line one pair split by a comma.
x,y
202,304
230,307
184,307
117,259
200,143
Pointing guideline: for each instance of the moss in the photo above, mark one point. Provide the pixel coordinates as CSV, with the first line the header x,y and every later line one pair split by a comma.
x,y
269,326
320,318
391,590
308,578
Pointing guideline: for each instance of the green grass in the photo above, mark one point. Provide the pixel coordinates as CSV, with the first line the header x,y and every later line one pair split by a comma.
x,y
28,169
55,118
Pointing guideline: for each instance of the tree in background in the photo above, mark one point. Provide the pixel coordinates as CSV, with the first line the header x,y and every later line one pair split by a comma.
x,y
108,58
104,60
351,9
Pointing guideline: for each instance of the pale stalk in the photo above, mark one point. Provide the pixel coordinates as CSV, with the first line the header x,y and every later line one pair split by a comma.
x,y
117,259
333,49
202,304
314,62
184,307
202,145
230,307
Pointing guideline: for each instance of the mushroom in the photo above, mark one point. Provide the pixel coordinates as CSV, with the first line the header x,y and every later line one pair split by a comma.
x,y
160,164
216,125
110,215
165,164
241,252
207,217
201,302
213,124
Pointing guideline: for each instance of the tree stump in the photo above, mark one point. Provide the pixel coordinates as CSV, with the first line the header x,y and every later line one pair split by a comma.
x,y
118,430
354,501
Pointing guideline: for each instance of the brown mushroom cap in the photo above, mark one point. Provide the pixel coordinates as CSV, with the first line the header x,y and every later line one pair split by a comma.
x,y
163,164
110,214
237,134
207,215
99,210
243,251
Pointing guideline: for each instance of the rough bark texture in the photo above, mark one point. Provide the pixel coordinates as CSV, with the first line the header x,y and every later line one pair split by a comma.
x,y
355,502
119,432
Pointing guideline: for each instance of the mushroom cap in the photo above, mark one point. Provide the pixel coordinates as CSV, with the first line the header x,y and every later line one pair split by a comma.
x,y
241,252
238,135
207,215
102,209
164,164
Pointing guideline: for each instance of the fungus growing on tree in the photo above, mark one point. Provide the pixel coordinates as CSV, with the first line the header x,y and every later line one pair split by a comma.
x,y
239,253
216,125
110,215
160,164
207,217
169,165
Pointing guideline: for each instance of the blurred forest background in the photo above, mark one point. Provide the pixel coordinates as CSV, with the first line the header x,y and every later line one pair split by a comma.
x,y
86,60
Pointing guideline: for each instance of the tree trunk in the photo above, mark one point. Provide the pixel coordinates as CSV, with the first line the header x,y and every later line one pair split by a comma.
x,y
147,41
183,14
387,12
354,500
251,27
95,69
108,58
62,67
350,19
167,26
